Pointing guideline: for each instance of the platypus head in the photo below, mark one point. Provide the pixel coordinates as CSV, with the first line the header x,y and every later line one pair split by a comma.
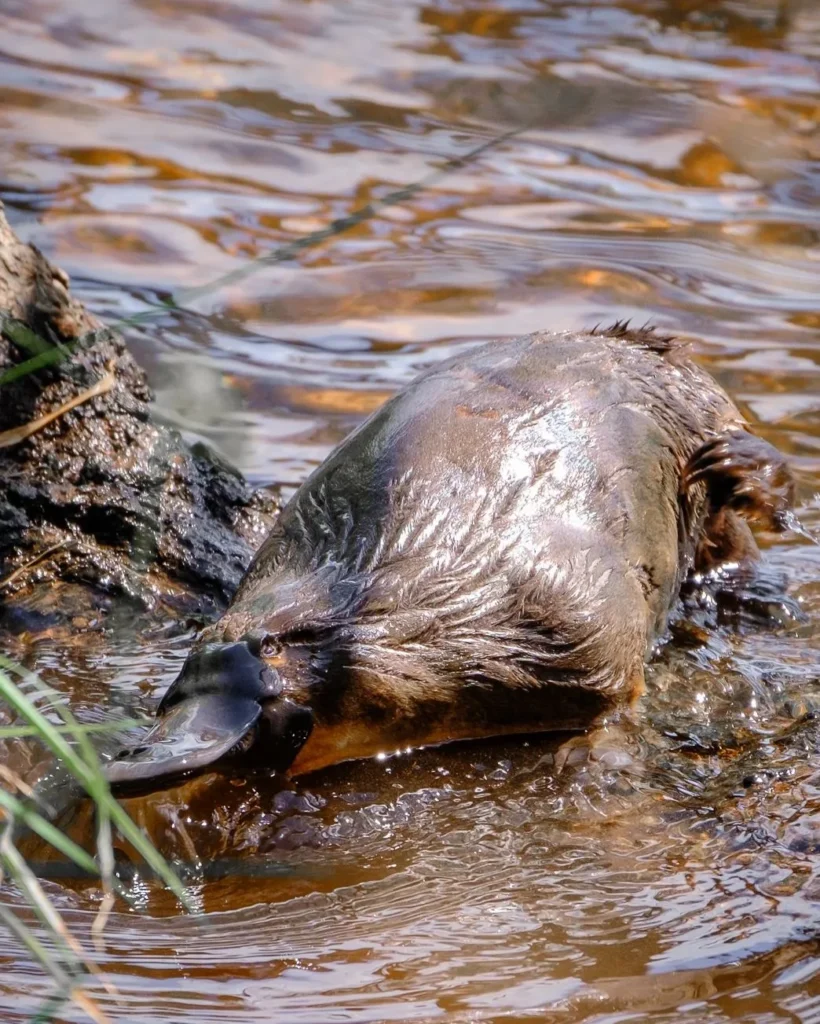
x,y
226,709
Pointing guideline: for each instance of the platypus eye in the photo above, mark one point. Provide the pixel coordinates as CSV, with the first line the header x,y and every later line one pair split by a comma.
x,y
270,647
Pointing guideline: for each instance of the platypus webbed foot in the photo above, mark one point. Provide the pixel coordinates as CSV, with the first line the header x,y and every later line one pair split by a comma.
x,y
744,473
741,595
225,709
610,744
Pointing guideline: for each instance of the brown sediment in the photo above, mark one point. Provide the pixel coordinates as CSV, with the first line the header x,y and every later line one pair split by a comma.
x,y
126,506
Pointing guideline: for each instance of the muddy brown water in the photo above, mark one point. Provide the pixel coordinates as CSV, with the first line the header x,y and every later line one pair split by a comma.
x,y
670,176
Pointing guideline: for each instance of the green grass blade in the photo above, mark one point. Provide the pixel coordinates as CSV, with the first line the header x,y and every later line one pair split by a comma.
x,y
92,779
47,732
39,362
52,835
25,879
23,336
68,988
99,791
25,732
27,938
130,831
50,1008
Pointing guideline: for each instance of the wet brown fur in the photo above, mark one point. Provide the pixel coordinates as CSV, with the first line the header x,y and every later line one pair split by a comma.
x,y
498,548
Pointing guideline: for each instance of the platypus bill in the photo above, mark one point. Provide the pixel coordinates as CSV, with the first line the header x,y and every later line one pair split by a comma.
x,y
496,550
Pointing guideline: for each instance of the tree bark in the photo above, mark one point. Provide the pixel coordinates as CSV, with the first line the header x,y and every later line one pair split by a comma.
x,y
99,497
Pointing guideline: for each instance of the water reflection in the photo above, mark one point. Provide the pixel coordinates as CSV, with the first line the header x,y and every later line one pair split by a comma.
x,y
670,174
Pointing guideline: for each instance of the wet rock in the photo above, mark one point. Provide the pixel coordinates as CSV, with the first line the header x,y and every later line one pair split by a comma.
x,y
102,496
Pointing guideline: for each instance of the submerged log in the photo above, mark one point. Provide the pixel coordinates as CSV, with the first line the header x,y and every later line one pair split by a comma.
x,y
98,502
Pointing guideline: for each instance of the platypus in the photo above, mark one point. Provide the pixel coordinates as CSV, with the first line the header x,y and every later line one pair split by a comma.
x,y
495,550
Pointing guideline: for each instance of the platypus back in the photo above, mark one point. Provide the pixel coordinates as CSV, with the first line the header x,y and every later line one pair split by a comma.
x,y
495,550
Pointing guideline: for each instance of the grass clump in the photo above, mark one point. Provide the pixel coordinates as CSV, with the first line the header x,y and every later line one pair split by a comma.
x,y
51,944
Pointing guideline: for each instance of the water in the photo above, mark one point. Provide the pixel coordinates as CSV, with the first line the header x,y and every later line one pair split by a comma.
x,y
670,175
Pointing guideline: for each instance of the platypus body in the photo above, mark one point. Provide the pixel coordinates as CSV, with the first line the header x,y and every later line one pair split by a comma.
x,y
496,550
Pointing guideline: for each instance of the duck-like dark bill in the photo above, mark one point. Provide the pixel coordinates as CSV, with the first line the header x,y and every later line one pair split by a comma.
x,y
191,736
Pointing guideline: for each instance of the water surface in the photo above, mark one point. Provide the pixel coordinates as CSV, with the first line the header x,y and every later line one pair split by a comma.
x,y
669,174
